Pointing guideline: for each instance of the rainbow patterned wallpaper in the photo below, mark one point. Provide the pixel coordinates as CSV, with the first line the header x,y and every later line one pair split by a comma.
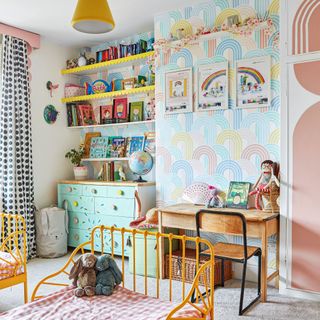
x,y
218,146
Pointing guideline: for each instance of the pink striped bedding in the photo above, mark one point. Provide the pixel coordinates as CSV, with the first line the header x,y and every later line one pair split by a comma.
x,y
122,305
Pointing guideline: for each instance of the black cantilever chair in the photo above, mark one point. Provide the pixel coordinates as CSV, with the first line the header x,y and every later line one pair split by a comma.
x,y
240,253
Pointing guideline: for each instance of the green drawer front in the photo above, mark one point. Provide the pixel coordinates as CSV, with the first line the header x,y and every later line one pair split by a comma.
x,y
115,221
80,220
95,191
78,236
115,207
107,244
77,203
72,189
121,192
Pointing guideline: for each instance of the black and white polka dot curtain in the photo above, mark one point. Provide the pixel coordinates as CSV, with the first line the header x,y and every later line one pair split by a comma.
x,y
16,170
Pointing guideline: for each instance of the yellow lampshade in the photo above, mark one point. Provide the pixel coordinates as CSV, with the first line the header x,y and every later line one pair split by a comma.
x,y
92,16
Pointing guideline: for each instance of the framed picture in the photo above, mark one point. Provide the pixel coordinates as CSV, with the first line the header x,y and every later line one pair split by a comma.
x,y
120,109
238,195
106,114
87,142
253,82
136,111
178,91
128,83
212,86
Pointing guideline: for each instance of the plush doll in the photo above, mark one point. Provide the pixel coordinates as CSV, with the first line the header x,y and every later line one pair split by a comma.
x,y
263,183
108,275
83,274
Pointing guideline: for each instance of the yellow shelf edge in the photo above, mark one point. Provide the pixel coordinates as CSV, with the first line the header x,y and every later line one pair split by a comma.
x,y
109,94
108,63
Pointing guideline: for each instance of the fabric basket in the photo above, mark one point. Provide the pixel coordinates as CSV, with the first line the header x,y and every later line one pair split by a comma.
x,y
190,267
73,90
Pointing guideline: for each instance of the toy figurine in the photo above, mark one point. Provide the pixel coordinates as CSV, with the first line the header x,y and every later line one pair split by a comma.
x,y
263,183
122,174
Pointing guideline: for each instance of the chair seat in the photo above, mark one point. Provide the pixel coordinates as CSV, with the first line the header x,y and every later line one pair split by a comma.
x,y
231,251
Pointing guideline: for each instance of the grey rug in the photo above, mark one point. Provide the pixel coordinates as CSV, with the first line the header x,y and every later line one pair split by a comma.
x,y
278,307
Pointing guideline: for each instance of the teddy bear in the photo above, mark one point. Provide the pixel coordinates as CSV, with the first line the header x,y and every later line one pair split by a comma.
x,y
83,274
108,275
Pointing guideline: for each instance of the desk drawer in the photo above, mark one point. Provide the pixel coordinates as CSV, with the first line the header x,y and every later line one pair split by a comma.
x,y
77,203
115,221
95,191
72,189
121,192
115,207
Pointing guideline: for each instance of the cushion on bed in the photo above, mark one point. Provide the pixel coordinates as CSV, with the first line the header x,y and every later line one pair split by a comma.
x,y
122,305
9,265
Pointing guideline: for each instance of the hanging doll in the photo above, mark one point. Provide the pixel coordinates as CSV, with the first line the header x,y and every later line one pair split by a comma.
x,y
263,183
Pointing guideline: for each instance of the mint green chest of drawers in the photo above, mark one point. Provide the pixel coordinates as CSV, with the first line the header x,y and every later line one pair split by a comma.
x,y
102,203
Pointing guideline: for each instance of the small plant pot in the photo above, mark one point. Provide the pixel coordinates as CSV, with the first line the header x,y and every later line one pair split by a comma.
x,y
80,173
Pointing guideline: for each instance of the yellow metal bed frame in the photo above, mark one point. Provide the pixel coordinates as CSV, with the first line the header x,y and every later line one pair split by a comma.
x,y
204,301
13,240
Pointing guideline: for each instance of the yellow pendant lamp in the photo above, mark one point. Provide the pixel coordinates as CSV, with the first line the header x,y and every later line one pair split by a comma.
x,y
93,16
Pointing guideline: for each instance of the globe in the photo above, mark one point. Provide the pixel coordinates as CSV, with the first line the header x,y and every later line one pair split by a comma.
x,y
140,163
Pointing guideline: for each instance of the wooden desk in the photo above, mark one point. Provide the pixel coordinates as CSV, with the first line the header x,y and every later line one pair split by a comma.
x,y
259,225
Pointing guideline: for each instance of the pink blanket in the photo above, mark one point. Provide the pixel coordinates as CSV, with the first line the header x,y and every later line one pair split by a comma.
x,y
122,305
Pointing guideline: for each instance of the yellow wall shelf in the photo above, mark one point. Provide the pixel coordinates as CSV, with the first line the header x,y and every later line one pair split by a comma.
x,y
101,66
111,94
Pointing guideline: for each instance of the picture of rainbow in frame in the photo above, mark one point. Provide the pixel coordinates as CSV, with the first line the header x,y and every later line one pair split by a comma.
x,y
253,82
212,91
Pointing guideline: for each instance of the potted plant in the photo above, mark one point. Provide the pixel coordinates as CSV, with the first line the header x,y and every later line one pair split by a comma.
x,y
75,156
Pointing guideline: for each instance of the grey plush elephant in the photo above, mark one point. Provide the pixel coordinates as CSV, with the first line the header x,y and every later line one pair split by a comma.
x,y
108,275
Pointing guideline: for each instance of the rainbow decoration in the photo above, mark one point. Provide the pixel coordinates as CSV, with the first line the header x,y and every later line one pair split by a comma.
x,y
253,73
206,83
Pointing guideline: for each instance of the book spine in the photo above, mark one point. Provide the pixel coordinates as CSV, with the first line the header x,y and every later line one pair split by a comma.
x,y
112,171
69,115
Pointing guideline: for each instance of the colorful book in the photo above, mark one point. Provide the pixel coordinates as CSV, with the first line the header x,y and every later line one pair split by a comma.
x,y
136,144
98,148
149,110
136,111
110,141
69,114
86,115
120,109
150,142
118,149
87,142
106,114
238,195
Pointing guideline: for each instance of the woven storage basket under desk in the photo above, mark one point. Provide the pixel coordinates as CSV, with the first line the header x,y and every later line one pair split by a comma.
x,y
190,262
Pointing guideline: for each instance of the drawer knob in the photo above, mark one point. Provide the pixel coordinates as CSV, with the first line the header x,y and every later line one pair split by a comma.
x,y
76,237
114,207
94,191
75,220
120,192
75,203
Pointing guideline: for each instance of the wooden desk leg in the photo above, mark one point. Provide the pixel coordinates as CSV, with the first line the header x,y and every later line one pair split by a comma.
x,y
264,263
162,255
278,259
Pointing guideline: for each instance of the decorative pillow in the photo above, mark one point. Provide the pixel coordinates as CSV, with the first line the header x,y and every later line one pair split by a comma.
x,y
199,193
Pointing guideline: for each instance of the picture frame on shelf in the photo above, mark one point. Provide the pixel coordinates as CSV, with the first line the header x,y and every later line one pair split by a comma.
x,y
254,82
106,114
87,142
136,111
238,195
128,84
120,110
178,91
212,86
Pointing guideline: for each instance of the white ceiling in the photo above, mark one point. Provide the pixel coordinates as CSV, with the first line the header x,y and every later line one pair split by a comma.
x,y
51,18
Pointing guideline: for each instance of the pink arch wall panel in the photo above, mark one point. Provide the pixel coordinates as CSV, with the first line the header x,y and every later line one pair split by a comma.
x,y
305,194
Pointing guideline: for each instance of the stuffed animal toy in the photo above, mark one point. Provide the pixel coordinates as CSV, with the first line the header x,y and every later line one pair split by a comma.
x,y
108,275
83,274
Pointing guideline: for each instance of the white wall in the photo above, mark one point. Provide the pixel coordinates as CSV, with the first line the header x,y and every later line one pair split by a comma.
x,y
50,142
